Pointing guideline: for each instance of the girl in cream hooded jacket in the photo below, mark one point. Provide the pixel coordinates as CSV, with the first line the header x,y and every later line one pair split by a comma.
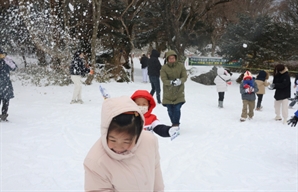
x,y
135,170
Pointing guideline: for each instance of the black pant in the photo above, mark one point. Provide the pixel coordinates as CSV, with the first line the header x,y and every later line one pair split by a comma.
x,y
5,104
155,87
260,98
162,130
221,96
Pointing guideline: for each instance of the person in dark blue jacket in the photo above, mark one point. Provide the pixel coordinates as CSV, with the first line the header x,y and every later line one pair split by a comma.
x,y
6,89
154,67
77,69
282,85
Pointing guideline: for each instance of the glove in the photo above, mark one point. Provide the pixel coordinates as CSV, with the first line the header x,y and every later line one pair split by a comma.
x,y
246,86
247,90
293,121
229,82
252,89
176,82
271,87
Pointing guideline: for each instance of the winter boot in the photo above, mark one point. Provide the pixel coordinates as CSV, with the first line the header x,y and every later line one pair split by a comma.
x,y
3,117
258,104
285,121
220,104
259,108
277,118
242,119
158,98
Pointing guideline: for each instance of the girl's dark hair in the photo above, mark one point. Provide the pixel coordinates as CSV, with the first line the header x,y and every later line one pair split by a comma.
x,y
278,68
240,78
132,124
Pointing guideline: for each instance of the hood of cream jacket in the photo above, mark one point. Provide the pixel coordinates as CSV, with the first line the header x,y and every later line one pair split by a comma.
x,y
136,170
110,109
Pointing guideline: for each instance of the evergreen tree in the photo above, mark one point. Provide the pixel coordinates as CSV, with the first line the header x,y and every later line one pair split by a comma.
x,y
265,40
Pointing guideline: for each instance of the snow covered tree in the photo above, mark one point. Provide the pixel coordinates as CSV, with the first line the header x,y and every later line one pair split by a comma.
x,y
265,40
59,27
288,11
15,38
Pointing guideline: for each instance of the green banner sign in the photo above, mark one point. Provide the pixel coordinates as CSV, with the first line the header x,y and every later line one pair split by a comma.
x,y
205,61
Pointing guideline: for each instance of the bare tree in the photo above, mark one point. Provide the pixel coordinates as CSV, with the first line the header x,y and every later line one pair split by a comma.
x,y
118,23
129,30
182,17
53,40
288,12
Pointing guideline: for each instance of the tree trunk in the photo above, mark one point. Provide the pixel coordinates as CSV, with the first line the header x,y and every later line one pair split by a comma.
x,y
96,7
213,41
41,56
24,58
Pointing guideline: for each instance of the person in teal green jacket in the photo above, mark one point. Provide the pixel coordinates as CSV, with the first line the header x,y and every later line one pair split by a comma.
x,y
173,75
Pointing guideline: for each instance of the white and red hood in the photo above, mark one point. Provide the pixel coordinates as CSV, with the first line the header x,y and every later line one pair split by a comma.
x,y
149,117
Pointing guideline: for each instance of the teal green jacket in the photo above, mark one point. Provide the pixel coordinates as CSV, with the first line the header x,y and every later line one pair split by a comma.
x,y
170,71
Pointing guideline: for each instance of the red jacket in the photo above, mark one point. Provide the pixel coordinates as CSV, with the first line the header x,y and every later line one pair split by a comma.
x,y
149,118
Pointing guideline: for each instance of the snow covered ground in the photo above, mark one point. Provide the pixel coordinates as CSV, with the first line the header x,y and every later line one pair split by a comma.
x,y
44,144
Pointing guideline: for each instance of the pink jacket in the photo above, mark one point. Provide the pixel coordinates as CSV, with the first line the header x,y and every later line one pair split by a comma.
x,y
137,170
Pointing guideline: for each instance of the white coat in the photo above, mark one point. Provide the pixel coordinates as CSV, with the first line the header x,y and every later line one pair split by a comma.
x,y
221,80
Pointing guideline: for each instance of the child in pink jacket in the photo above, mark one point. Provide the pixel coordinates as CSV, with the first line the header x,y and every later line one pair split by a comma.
x,y
125,158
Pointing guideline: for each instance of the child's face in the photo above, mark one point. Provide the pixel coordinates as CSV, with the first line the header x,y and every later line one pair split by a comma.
x,y
143,104
142,101
120,142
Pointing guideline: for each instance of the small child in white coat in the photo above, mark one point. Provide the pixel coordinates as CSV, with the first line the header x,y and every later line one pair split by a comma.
x,y
222,80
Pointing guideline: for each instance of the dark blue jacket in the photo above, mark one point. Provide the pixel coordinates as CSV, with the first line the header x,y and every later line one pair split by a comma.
x,y
6,89
144,61
154,65
77,67
282,82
